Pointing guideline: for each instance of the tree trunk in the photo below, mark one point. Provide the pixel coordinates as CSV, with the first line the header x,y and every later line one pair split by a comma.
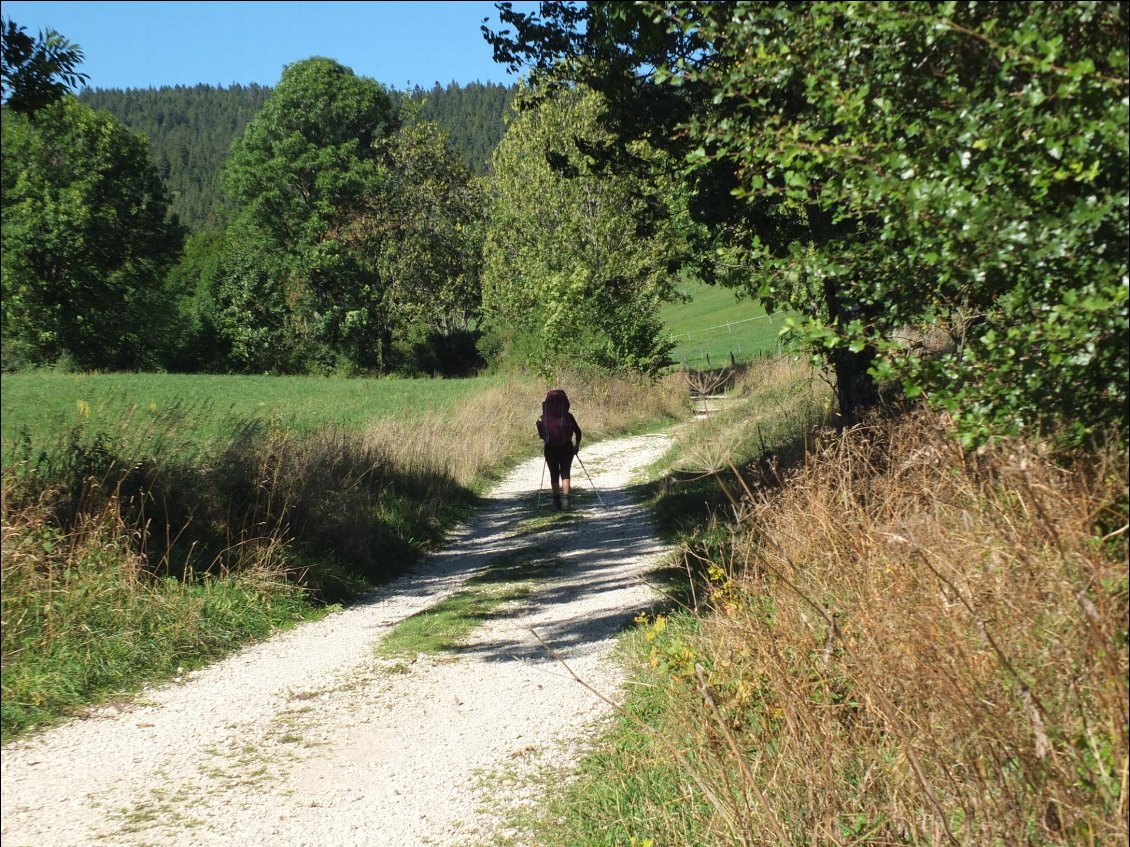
x,y
855,388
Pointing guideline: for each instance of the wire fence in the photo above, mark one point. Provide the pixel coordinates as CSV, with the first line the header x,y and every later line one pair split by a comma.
x,y
725,344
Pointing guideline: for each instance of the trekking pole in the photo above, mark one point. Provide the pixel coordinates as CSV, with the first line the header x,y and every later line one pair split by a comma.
x,y
593,484
541,484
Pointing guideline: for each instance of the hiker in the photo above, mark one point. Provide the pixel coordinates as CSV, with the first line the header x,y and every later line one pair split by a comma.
x,y
556,427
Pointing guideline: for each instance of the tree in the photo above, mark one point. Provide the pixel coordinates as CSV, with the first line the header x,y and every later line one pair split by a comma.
x,y
86,241
575,266
302,171
35,72
895,165
193,282
474,117
358,232
255,312
190,131
968,164
645,67
425,227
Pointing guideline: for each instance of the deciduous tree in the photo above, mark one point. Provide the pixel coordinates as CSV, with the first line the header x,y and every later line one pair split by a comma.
x,y
86,241
576,262
302,171
424,226
880,166
359,230
35,72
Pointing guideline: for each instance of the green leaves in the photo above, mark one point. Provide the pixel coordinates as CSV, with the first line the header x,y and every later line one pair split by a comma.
x,y
359,232
36,72
86,241
576,261
431,214
296,291
972,160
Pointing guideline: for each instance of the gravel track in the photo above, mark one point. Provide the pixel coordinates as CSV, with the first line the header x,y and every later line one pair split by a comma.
x,y
309,739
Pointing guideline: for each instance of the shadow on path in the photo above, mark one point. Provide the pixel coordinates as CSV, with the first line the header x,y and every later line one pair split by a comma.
x,y
602,551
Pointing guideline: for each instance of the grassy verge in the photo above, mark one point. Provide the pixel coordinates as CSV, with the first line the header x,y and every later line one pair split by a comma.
x,y
137,546
630,788
775,408
83,618
894,642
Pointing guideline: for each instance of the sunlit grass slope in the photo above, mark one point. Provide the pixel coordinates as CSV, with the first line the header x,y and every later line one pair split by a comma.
x,y
715,324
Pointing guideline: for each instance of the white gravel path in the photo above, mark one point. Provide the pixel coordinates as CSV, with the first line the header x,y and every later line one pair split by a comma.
x,y
308,739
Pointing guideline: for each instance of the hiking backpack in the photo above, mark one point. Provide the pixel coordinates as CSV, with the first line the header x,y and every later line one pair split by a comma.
x,y
555,424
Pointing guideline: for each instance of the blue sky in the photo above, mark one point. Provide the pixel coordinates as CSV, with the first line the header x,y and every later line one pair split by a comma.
x,y
151,44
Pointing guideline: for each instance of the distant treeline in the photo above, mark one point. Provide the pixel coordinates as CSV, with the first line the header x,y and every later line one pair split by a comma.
x,y
474,116
191,129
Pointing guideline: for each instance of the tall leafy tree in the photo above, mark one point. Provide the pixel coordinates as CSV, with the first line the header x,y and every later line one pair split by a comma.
x,y
967,167
301,172
575,263
86,241
648,61
358,233
35,72
425,227
887,165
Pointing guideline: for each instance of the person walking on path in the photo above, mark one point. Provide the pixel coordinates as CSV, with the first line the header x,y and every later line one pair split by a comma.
x,y
557,428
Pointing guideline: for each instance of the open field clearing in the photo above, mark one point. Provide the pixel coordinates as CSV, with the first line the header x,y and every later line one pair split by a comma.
x,y
45,404
715,325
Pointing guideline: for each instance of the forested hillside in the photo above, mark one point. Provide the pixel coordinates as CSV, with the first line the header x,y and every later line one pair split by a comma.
x,y
191,130
474,116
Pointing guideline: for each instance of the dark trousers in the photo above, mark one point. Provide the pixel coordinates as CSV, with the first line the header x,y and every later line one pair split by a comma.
x,y
559,460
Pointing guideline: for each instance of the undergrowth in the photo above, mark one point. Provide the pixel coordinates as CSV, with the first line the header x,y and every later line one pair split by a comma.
x,y
84,619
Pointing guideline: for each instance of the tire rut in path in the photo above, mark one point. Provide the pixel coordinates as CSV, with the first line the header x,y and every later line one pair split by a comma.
x,y
307,739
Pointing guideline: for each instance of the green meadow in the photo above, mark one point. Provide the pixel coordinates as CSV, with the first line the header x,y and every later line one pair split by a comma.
x,y
709,328
714,326
202,408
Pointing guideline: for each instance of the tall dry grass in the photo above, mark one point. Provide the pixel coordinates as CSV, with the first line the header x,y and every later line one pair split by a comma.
x,y
769,411
85,616
913,645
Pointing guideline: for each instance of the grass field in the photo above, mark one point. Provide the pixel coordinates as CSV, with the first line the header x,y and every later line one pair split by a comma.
x,y
205,407
198,408
715,326
152,522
